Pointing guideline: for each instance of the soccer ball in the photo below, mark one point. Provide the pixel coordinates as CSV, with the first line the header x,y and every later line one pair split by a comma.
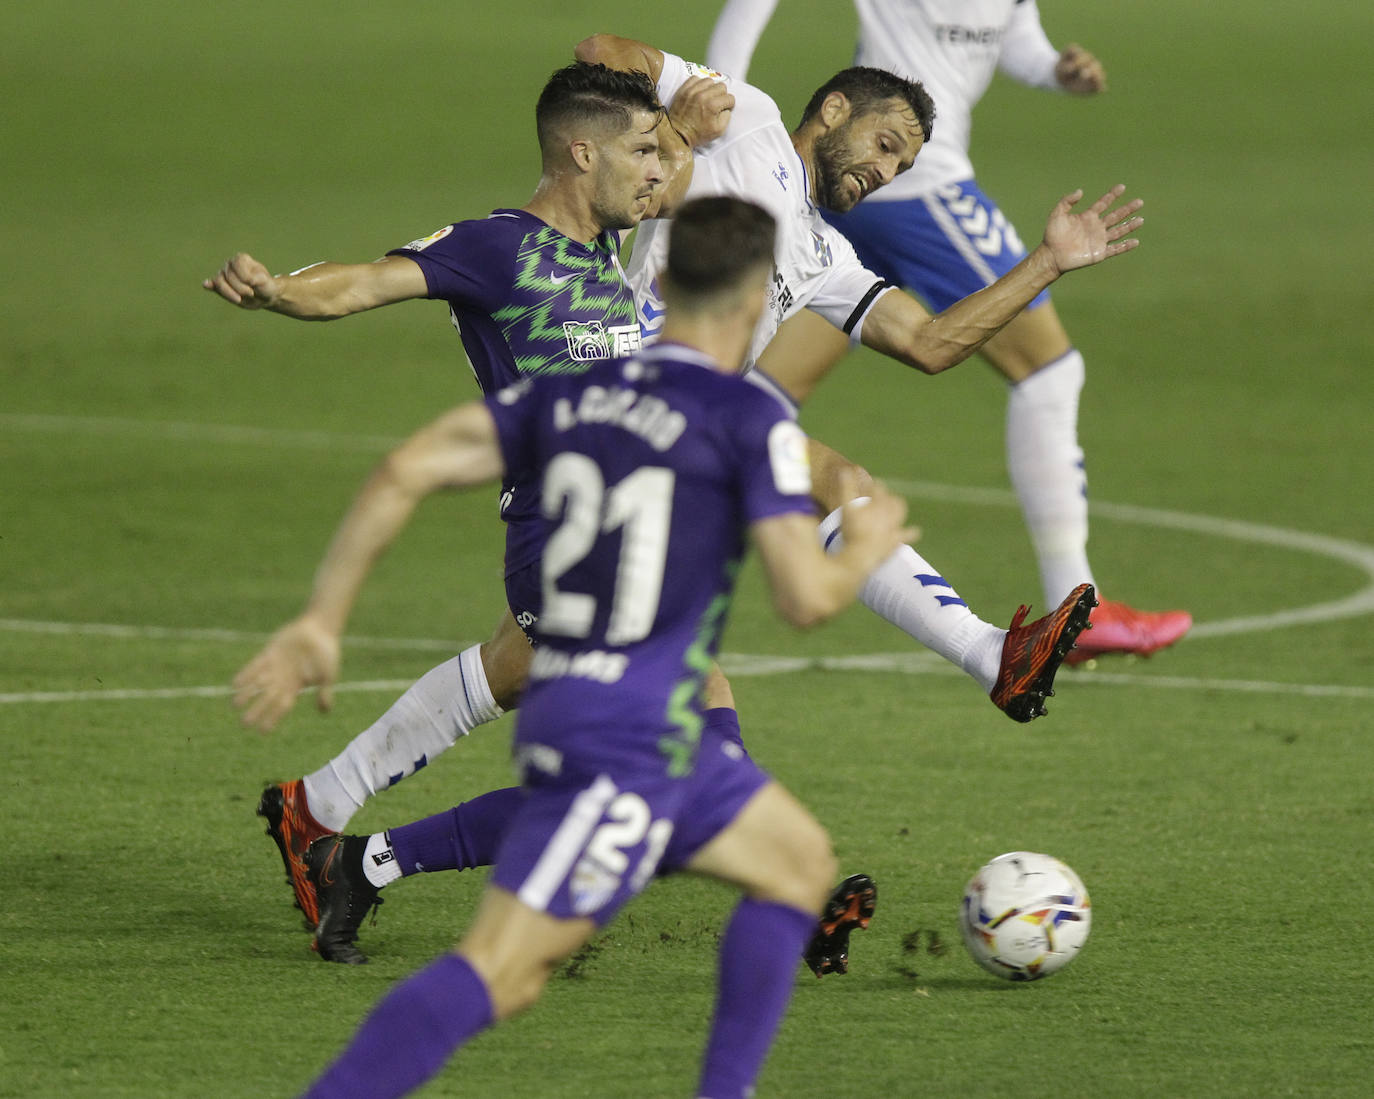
x,y
1025,916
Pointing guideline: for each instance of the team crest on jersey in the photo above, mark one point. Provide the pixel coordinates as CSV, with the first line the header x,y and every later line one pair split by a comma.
x,y
592,340
592,886
424,242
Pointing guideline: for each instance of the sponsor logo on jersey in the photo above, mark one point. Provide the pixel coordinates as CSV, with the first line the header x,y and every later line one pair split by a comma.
x,y
424,242
951,34
598,666
592,340
779,295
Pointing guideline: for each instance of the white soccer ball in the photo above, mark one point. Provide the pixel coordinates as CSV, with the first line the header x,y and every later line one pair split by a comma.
x,y
1025,916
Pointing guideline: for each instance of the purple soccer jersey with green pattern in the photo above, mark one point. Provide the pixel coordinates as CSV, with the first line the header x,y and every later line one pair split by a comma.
x,y
527,301
653,469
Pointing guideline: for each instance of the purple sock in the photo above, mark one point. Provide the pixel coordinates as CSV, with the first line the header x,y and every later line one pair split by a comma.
x,y
724,722
409,1035
460,838
758,966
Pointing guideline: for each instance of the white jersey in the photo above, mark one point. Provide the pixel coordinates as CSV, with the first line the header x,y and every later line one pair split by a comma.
x,y
952,47
814,265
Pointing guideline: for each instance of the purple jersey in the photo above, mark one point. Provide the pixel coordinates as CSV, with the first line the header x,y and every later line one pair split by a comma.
x,y
652,471
527,300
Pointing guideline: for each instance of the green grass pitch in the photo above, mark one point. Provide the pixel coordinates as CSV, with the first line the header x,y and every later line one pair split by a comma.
x,y
173,467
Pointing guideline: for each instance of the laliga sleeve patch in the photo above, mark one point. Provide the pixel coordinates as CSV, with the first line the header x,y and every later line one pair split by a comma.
x,y
696,69
787,454
424,242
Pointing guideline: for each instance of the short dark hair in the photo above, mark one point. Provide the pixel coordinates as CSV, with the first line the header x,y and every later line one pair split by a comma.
x,y
590,94
869,89
714,243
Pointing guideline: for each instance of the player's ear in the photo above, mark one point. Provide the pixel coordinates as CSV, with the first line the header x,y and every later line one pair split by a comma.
x,y
583,153
835,110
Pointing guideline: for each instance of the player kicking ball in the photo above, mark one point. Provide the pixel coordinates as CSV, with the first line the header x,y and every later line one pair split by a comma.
x,y
500,291
656,471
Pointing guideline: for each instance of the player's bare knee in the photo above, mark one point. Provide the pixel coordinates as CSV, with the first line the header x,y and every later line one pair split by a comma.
x,y
506,663
822,868
806,867
512,987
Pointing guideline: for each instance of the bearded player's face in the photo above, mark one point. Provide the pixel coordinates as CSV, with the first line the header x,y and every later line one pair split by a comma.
x,y
863,153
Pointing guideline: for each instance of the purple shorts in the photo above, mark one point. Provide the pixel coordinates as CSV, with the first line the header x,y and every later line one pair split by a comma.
x,y
580,848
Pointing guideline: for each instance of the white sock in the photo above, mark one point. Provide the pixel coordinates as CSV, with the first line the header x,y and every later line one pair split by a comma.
x,y
446,703
907,591
1046,467
379,860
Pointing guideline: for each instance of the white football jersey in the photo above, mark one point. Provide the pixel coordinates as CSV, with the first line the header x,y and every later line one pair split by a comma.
x,y
952,47
814,266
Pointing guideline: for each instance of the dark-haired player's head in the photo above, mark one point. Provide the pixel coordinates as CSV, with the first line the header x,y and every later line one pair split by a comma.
x,y
864,126
600,123
720,262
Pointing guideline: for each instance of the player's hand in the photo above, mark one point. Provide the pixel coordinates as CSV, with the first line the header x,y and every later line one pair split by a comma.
x,y
1082,239
1079,72
245,282
301,654
700,111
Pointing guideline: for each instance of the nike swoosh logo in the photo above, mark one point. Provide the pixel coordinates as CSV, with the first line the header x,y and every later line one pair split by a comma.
x,y
559,280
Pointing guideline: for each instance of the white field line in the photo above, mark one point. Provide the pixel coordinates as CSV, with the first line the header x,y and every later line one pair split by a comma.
x,y
1354,553
173,633
195,433
743,665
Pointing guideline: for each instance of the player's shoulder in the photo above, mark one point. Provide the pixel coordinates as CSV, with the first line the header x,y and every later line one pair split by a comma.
x,y
754,108
496,227
742,408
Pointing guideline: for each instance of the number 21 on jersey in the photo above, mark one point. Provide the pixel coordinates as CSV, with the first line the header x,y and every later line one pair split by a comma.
x,y
640,505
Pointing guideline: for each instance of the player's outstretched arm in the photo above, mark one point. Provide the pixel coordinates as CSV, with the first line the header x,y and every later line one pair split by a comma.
x,y
809,585
1092,235
457,450
900,327
321,292
299,655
